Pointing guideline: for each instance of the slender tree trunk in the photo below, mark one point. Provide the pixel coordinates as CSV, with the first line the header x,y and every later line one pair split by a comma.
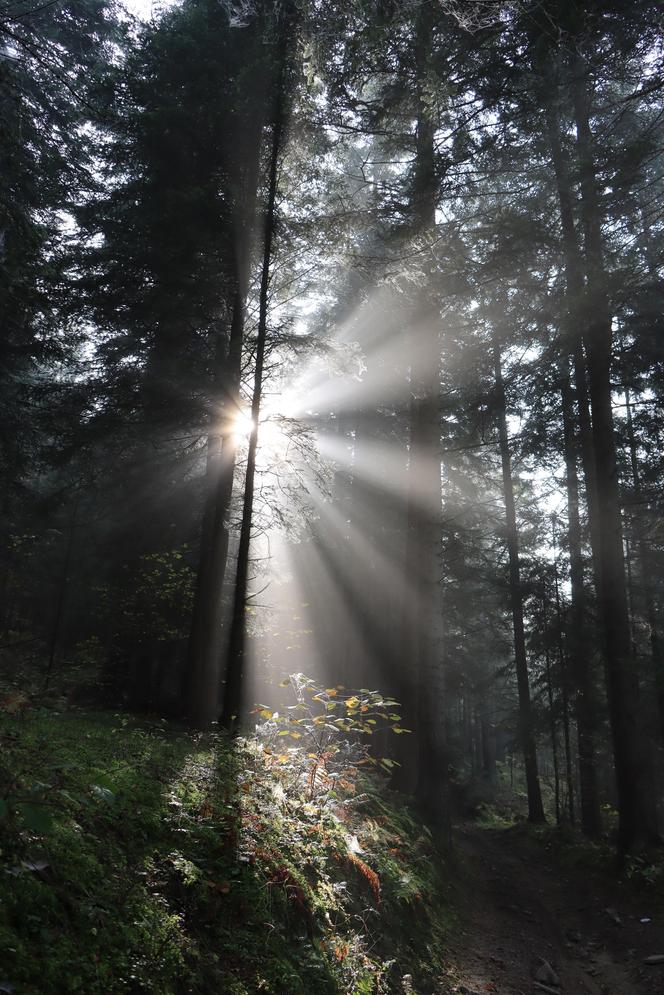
x,y
646,571
637,824
205,636
204,653
235,659
572,339
580,651
631,609
526,730
647,566
554,738
564,687
580,648
61,597
488,744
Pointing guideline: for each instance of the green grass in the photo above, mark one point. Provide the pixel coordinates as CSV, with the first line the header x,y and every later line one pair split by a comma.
x,y
139,860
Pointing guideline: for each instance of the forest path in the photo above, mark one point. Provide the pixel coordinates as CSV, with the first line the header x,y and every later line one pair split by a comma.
x,y
518,907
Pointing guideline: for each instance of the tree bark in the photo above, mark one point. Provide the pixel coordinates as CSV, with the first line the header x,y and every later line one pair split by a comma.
x,y
423,541
646,572
235,659
554,738
205,636
564,687
585,705
580,649
637,822
204,652
526,730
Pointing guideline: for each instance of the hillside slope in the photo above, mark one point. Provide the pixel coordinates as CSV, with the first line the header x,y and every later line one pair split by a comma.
x,y
135,860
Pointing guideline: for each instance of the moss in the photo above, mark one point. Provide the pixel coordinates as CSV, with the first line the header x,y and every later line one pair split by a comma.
x,y
135,860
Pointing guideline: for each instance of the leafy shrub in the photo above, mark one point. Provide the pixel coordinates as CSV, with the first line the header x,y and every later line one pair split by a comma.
x,y
185,864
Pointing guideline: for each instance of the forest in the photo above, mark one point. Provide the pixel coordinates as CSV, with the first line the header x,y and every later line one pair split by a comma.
x,y
331,545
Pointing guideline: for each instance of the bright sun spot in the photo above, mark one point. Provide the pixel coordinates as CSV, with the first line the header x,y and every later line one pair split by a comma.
x,y
273,431
242,426
273,440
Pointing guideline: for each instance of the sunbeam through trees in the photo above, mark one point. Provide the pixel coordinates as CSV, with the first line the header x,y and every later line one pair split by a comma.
x,y
331,417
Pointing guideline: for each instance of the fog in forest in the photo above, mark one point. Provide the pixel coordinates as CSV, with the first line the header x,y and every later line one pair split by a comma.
x,y
331,412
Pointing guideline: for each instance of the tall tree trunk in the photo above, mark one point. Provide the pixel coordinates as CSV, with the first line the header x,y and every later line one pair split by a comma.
x,y
580,648
423,549
572,338
637,821
235,658
205,636
585,705
526,730
204,652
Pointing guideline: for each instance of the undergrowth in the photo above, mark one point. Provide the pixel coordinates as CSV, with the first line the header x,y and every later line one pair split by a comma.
x,y
136,860
642,871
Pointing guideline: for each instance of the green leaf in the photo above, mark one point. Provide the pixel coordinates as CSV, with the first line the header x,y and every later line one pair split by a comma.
x,y
4,809
36,818
99,791
103,780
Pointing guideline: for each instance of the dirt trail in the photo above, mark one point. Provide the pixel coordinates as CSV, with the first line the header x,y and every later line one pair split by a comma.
x,y
518,908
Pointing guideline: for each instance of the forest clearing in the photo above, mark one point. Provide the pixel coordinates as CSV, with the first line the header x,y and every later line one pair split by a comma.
x,y
332,479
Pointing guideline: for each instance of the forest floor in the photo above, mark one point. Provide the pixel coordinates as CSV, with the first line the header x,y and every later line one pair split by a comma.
x,y
138,859
521,903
